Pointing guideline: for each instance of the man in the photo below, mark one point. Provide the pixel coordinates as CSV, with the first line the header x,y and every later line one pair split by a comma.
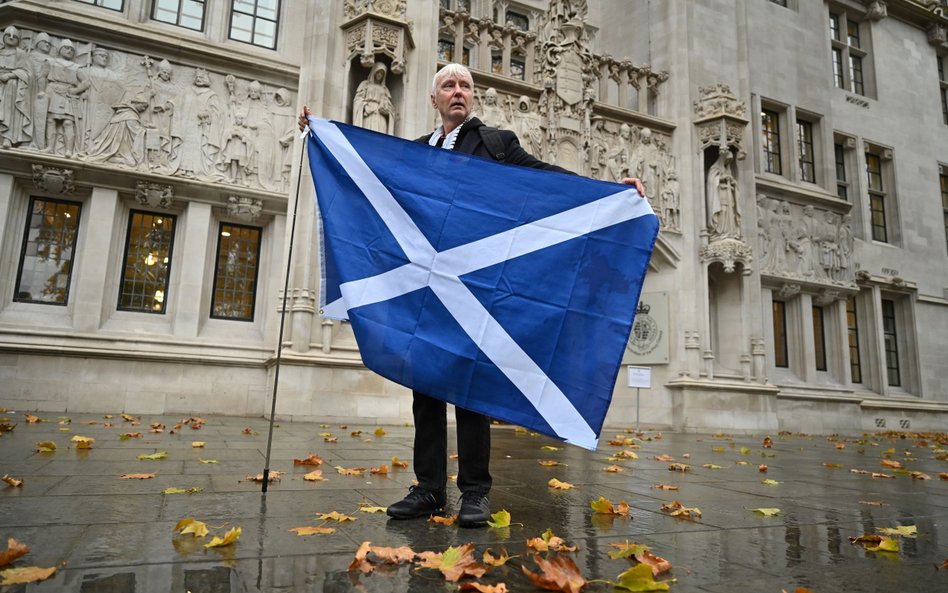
x,y
452,96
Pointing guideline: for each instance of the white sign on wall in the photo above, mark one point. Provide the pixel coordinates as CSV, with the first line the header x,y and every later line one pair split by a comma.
x,y
640,377
648,342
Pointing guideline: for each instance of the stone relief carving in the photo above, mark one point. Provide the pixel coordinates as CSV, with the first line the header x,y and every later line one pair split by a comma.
x,y
877,10
244,208
492,112
99,105
53,180
370,37
718,100
804,243
154,195
390,8
372,106
937,34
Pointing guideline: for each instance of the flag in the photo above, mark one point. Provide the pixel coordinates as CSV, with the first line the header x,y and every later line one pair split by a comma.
x,y
505,290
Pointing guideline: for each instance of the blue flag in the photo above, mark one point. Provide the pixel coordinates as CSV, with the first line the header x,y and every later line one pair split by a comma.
x,y
504,290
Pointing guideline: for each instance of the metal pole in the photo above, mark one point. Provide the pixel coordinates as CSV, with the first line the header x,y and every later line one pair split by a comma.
x,y
279,350
636,409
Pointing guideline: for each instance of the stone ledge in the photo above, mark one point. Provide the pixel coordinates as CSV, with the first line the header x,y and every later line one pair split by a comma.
x,y
684,383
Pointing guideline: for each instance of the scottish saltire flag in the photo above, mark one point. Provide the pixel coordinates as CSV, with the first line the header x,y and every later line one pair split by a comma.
x,y
501,289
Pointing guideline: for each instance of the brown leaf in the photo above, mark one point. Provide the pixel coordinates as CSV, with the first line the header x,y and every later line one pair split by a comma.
x,y
454,563
313,459
380,470
665,487
664,458
920,476
83,442
612,469
481,588
891,463
547,542
397,463
549,463
249,432
273,476
350,471
840,445
11,480
314,476
137,476
676,509
657,563
873,503
365,563
14,550
768,443
302,531
443,520
6,427
679,467
762,468
27,574
943,476
559,573
554,483
491,560
31,419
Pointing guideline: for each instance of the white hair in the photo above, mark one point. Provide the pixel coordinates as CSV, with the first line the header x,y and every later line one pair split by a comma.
x,y
452,69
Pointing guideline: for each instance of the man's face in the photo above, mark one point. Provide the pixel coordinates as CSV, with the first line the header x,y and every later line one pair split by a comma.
x,y
454,98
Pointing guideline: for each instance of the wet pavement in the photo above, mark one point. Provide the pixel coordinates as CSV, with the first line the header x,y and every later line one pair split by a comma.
x,y
107,534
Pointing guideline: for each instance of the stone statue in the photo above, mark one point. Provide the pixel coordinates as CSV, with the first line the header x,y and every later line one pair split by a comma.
x,y
845,243
123,139
372,107
828,245
237,155
723,204
645,163
670,203
526,123
265,143
16,109
199,123
39,59
491,113
163,104
63,89
103,89
619,158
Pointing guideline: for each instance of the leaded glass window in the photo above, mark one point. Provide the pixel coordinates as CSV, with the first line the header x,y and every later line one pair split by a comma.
x,y
147,265
46,258
235,273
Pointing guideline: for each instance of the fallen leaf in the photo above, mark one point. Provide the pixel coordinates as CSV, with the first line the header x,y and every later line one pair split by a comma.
x,y
12,481
353,471
679,467
550,448
364,508
197,444
335,516
443,520
325,434
769,482
453,456
396,462
767,512
762,468
665,487
129,418
129,435
744,450
656,563
364,563
83,442
273,476
627,550
548,542
833,465
303,531
554,483
31,419
355,433
676,509
491,560
229,538
314,476
891,463
664,458
549,463
876,543
192,526
153,456
604,506
639,578
313,459
380,470
454,563
873,503
840,445
89,422
14,550
249,432
903,530
881,475
330,439
920,476
173,490
559,573
943,476
380,432
612,469
46,447
26,574
500,519
768,443
157,427
136,476
6,427
214,461
626,454
711,466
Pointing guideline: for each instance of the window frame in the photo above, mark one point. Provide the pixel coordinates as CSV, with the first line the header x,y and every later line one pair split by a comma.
x,y
890,339
806,145
882,200
850,52
943,86
852,330
819,337
99,4
256,272
843,185
770,141
26,241
125,256
781,344
276,23
177,23
943,183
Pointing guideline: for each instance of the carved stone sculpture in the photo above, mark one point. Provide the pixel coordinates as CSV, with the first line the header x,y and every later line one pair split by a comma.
x,y
62,87
122,141
526,123
102,88
492,113
723,198
372,107
38,59
53,180
244,208
201,110
16,110
154,195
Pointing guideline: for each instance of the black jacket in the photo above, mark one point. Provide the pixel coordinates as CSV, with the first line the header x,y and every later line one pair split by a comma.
x,y
470,141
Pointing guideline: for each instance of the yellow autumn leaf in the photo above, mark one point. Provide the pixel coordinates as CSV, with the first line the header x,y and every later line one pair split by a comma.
x,y
11,480
744,450
192,526
314,476
550,448
230,537
887,544
903,530
207,460
153,456
197,444
769,482
440,520
136,476
396,462
640,578
500,519
325,434
383,470
45,447
351,471
83,442
554,483
602,506
174,490
25,574
767,512
303,531
612,469
492,560
335,516
712,466
550,463
380,432
371,509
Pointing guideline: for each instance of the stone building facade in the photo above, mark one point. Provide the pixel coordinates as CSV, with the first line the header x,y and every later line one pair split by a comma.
x,y
795,152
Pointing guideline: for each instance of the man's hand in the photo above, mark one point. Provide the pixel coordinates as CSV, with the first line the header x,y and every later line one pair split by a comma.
x,y
303,122
639,186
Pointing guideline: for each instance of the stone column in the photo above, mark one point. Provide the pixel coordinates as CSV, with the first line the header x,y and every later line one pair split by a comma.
x,y
91,301
189,302
6,200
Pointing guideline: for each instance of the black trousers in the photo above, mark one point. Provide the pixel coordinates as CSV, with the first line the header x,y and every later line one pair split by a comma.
x,y
431,446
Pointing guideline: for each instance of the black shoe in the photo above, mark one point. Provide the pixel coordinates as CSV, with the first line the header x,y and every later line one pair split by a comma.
x,y
418,503
475,510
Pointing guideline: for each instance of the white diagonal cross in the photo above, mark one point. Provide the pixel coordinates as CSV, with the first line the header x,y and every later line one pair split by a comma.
x,y
441,271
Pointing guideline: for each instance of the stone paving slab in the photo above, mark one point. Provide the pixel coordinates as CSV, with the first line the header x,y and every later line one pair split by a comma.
x,y
106,534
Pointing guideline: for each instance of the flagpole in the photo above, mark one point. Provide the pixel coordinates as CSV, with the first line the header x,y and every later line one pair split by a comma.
x,y
286,288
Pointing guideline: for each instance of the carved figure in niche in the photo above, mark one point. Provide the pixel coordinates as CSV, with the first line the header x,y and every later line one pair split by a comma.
x,y
284,122
723,197
62,89
619,158
123,139
103,89
372,107
671,213
645,163
237,153
200,110
163,114
264,138
526,123
16,109
491,113
599,147
804,245
845,252
38,59
828,246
